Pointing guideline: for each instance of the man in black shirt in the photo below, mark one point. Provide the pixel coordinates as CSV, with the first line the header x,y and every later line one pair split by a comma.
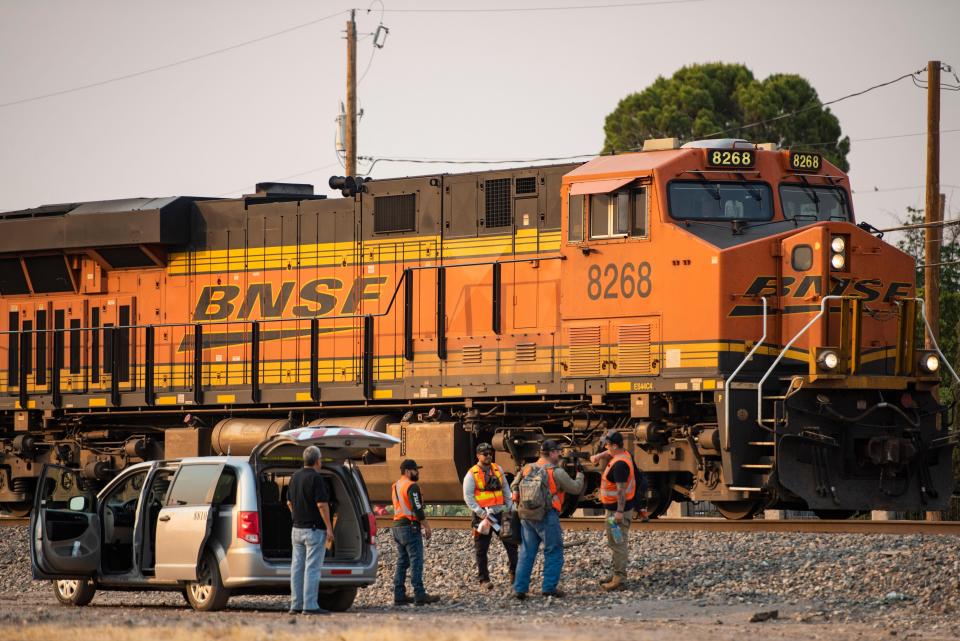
x,y
309,504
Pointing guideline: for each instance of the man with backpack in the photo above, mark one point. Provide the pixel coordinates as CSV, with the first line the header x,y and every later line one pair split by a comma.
x,y
539,491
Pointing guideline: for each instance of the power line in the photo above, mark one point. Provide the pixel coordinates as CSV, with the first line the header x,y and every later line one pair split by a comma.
x,y
619,5
282,178
184,61
834,142
818,105
939,223
880,190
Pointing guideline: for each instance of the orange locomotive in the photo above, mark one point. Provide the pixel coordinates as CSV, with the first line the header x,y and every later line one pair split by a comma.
x,y
715,303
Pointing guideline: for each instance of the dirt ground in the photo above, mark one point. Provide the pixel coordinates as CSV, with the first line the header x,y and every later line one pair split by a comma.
x,y
134,617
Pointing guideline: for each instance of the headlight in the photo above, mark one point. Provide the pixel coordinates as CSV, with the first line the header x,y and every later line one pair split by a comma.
x,y
838,244
828,360
837,261
930,363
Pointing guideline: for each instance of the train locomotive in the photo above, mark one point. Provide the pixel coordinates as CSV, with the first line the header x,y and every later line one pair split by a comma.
x,y
714,302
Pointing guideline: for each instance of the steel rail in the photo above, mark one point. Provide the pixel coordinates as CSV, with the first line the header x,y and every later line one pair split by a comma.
x,y
796,526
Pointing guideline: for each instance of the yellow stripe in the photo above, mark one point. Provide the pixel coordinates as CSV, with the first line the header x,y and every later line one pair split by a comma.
x,y
98,402
226,398
524,389
304,396
619,386
166,400
451,391
382,393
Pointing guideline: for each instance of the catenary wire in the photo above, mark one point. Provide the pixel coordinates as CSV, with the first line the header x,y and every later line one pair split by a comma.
x,y
169,65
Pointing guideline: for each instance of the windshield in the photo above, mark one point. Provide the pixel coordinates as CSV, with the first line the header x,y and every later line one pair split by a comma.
x,y
815,203
710,200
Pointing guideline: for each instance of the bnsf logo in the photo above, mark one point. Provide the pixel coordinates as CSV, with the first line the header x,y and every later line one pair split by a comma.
x,y
870,289
318,297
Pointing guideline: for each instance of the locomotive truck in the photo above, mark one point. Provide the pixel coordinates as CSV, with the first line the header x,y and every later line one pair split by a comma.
x,y
716,303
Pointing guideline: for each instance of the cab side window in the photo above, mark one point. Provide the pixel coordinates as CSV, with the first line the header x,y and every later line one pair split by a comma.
x,y
194,485
619,214
575,219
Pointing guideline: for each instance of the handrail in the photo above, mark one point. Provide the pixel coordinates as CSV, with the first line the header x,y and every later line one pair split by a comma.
x,y
936,347
359,317
776,361
724,434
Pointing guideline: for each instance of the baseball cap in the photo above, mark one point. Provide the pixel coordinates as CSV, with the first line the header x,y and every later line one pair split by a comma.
x,y
409,464
549,445
614,437
484,447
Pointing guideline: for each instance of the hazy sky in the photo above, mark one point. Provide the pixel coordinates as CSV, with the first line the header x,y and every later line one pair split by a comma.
x,y
448,85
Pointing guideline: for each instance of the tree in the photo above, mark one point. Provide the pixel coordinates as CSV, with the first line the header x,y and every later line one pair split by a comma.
x,y
701,100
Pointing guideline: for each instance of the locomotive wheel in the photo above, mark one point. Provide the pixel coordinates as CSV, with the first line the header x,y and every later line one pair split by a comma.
x,y
17,510
836,515
660,494
738,510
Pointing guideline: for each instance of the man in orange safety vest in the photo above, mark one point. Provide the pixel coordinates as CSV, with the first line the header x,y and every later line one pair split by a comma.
x,y
487,494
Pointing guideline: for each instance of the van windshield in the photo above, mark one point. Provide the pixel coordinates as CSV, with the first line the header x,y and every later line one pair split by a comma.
x,y
714,200
815,203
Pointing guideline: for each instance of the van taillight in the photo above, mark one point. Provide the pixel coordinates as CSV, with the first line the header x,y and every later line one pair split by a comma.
x,y
372,524
248,527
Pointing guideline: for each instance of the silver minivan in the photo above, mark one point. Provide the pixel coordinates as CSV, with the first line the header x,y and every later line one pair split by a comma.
x,y
209,527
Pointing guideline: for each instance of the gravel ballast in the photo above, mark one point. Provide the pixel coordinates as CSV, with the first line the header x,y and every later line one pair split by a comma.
x,y
895,582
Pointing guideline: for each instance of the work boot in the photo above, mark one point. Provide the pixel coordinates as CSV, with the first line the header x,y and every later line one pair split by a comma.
x,y
485,584
406,600
425,599
556,594
613,584
644,516
520,596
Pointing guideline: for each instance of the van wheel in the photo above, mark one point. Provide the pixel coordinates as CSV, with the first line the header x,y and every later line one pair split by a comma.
x,y
76,592
207,592
338,600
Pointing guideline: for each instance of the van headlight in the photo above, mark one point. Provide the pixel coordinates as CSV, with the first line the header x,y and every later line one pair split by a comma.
x,y
828,360
930,362
838,262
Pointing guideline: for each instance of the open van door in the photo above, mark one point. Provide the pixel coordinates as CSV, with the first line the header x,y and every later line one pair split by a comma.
x,y
338,443
185,521
65,527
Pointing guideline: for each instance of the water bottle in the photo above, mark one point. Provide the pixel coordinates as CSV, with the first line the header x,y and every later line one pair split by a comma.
x,y
76,548
615,530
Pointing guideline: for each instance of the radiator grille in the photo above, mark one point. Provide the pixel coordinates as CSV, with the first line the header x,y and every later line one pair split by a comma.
x,y
633,349
526,352
585,351
497,199
472,355
395,213
526,185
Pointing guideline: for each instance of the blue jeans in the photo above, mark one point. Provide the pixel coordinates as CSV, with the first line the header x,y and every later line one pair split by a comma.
x,y
409,555
534,533
309,548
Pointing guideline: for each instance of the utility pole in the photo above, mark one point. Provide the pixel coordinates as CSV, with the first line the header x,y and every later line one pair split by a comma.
x,y
351,129
932,233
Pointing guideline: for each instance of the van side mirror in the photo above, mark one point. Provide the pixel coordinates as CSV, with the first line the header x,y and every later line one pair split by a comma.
x,y
77,504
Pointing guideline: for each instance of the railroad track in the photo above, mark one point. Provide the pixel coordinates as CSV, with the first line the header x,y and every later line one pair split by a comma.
x,y
811,526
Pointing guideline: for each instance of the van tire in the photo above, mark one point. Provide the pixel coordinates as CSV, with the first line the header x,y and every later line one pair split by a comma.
x,y
77,592
338,600
207,593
